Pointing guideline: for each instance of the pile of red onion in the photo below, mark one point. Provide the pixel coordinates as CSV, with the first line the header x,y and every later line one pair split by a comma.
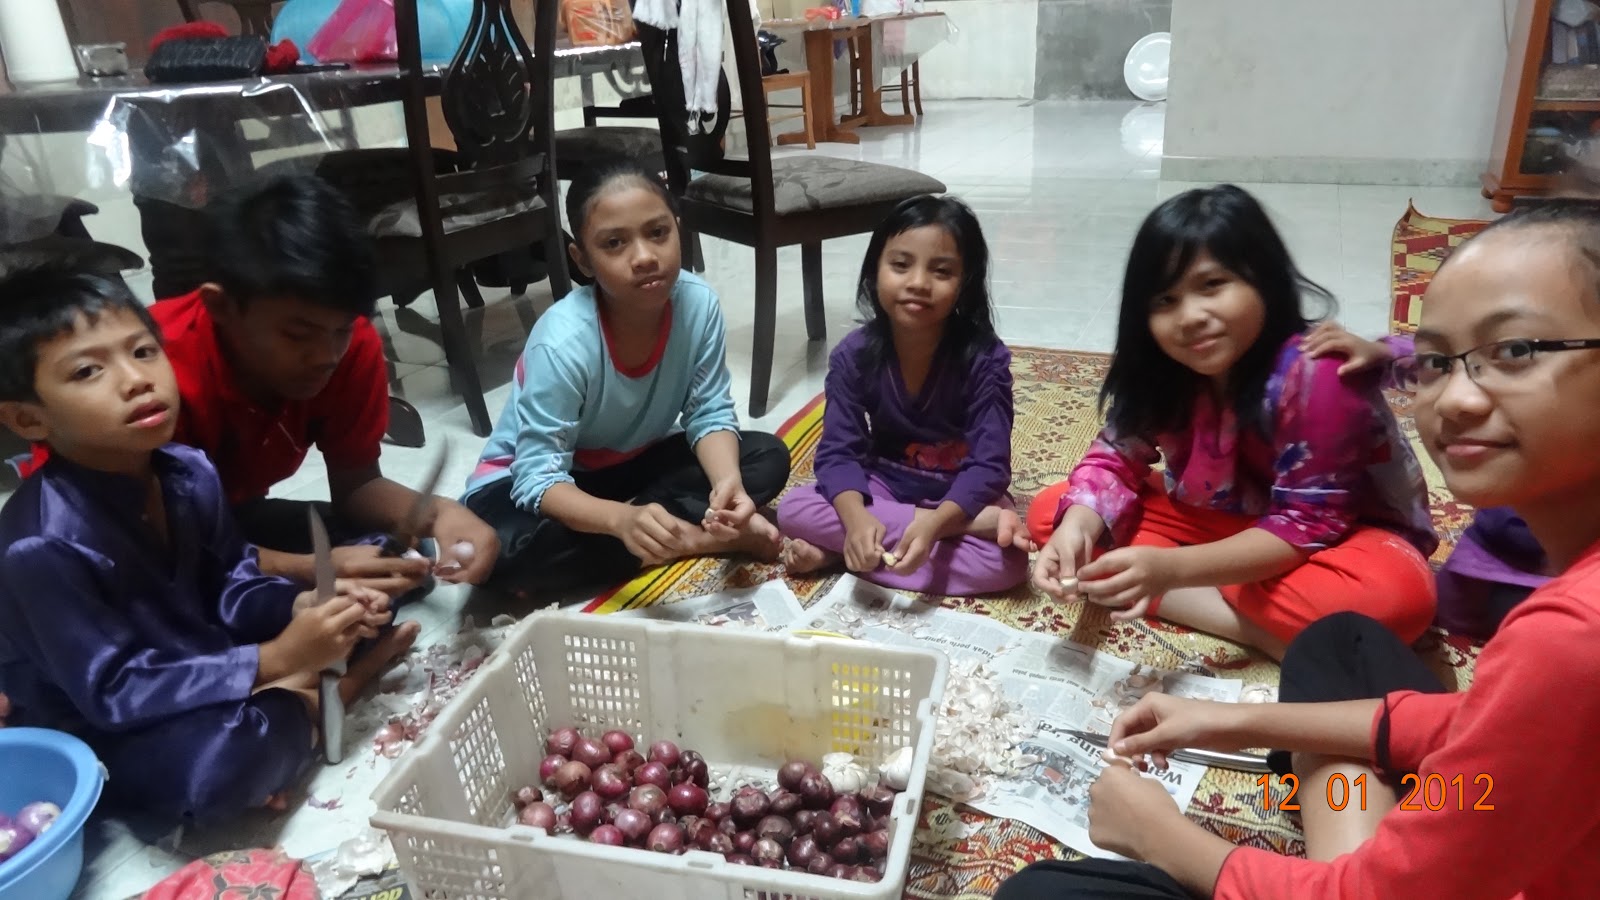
x,y
605,791
31,821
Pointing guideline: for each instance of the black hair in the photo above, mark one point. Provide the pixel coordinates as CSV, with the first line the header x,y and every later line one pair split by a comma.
x,y
41,300
1147,391
294,236
1577,220
604,177
970,328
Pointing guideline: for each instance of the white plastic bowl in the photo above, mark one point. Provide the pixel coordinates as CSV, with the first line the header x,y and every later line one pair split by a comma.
x,y
1145,69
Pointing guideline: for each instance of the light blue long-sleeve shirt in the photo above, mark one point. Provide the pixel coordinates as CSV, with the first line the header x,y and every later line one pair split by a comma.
x,y
573,407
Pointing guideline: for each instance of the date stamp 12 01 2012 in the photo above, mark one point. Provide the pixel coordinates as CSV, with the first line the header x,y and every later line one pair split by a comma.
x,y
1432,792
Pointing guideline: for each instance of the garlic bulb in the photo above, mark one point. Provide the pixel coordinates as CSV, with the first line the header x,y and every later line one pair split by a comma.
x,y
896,770
843,772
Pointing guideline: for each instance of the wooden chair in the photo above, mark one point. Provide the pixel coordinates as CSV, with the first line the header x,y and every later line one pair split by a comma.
x,y
910,86
792,81
762,202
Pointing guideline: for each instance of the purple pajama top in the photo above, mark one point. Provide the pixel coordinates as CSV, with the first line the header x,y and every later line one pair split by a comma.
x,y
1330,458
952,441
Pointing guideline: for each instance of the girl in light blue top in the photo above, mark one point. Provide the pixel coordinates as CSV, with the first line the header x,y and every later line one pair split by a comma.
x,y
619,446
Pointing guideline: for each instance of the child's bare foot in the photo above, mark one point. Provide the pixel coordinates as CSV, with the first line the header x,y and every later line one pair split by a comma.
x,y
278,802
801,558
365,670
1011,531
758,538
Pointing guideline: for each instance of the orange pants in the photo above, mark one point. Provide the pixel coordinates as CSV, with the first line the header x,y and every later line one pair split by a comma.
x,y
1372,571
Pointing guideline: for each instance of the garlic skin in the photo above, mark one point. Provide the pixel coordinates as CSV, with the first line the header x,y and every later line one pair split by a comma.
x,y
843,772
896,770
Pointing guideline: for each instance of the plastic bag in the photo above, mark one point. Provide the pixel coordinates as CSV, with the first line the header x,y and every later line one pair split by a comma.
x,y
360,31
594,23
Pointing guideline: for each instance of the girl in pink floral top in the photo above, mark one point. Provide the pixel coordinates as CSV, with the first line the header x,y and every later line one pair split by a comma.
x,y
1288,493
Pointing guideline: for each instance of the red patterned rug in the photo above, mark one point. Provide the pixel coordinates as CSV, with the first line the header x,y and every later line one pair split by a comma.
x,y
1421,244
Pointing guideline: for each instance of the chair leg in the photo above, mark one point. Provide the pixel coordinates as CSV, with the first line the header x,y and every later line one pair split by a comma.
x,y
811,275
916,86
855,80
766,323
805,109
555,259
458,355
905,92
469,288
694,255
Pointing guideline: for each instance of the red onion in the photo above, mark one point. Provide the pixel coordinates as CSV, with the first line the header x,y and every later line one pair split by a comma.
x,y
696,830
549,767
563,823
744,841
665,752
847,812
572,779
648,799
815,791
877,799
591,753
821,864
866,874
560,741
633,824
689,756
538,815
664,816
526,795
803,820
629,760
875,843
687,799
727,825
609,781
665,839
777,828
784,803
617,741
719,843
610,835
740,859
840,870
846,850
749,806
653,773
802,850
767,853
790,774
588,812
825,829
695,773
716,812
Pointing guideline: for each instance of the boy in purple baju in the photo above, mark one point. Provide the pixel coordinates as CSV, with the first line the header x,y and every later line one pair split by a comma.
x,y
131,612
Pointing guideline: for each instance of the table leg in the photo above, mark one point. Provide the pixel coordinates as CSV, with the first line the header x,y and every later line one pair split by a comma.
x,y
819,68
871,99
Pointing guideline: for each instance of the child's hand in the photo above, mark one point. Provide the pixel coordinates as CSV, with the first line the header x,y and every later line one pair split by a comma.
x,y
728,510
1127,579
468,547
1127,810
650,533
393,575
915,543
1160,723
863,542
320,636
1328,339
1067,551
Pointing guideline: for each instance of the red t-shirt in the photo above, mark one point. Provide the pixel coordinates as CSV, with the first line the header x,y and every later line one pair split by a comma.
x,y
253,447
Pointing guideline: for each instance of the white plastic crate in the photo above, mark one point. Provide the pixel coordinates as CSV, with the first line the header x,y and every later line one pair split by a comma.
x,y
742,699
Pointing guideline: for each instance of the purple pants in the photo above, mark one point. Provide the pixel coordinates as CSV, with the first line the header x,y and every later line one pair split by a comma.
x,y
957,567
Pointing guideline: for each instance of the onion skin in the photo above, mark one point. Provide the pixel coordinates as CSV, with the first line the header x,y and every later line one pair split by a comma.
x,y
609,781
538,815
750,806
665,839
776,828
609,835
791,772
719,843
696,829
617,741
549,767
561,741
629,760
591,753
877,799
728,826
526,795
634,825
664,752
847,812
802,851
825,829
815,791
767,853
840,870
687,799
784,803
648,799
572,779
866,874
664,817
716,812
588,812
875,843
653,773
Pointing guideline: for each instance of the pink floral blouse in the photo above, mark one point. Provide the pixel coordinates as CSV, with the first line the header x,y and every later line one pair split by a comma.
x,y
1332,458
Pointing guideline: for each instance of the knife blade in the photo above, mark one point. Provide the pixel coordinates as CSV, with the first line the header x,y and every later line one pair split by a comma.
x,y
1238,762
331,703
411,525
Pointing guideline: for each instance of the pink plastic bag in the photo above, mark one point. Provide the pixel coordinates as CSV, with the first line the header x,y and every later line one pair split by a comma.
x,y
359,31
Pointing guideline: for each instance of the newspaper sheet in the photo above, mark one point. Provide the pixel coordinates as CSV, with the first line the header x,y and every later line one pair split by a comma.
x,y
1061,686
769,606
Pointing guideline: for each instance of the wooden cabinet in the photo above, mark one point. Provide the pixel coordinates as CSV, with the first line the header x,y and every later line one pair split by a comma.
x,y
1544,105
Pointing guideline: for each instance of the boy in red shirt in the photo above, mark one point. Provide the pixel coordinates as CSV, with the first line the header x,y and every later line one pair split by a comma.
x,y
276,354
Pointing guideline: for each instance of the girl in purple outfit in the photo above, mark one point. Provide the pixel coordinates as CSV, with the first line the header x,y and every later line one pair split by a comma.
x,y
914,464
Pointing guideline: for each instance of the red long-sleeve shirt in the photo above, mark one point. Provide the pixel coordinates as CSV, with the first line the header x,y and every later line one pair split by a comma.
x,y
1531,723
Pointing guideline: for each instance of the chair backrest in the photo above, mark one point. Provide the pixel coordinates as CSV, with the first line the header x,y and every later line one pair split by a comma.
x,y
497,103
255,16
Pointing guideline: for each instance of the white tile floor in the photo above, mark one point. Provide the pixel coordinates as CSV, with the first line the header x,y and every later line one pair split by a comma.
x,y
1060,188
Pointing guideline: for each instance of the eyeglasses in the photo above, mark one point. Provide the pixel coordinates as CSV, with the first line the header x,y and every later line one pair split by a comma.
x,y
1491,366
